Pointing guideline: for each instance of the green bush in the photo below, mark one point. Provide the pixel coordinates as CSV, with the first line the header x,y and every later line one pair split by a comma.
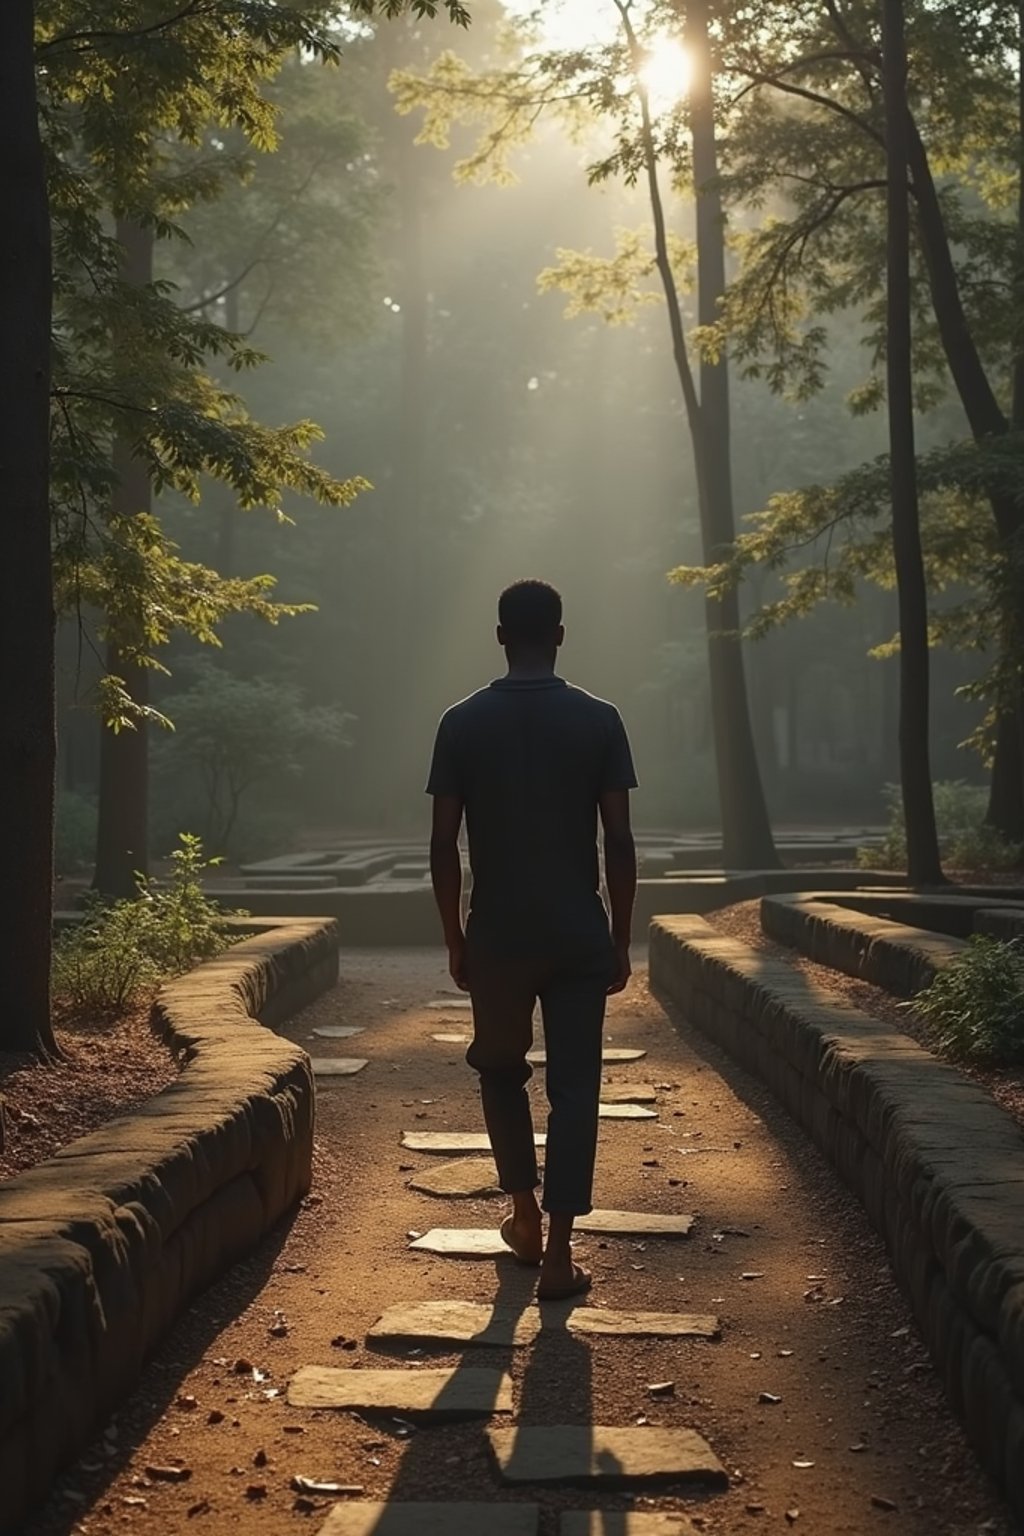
x,y
120,952
976,1004
74,832
965,842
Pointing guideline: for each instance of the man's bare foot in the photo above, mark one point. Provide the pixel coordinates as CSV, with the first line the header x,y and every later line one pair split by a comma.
x,y
524,1236
561,1278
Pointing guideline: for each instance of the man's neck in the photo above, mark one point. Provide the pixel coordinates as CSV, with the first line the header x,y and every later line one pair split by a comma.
x,y
529,671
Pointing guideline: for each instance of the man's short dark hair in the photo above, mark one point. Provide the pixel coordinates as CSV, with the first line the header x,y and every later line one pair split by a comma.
x,y
529,613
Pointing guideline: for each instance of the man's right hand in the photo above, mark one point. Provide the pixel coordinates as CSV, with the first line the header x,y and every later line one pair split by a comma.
x,y
623,970
457,963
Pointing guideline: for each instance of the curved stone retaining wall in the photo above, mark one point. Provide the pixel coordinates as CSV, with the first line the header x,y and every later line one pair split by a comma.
x,y
102,1246
938,1166
893,955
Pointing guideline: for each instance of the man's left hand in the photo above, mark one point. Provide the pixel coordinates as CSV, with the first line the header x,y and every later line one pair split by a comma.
x,y
623,970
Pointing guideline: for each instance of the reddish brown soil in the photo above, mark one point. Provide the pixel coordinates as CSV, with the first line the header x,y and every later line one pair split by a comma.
x,y
743,921
108,1068
859,1400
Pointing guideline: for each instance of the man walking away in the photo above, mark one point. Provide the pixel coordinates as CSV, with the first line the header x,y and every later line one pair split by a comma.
x,y
532,761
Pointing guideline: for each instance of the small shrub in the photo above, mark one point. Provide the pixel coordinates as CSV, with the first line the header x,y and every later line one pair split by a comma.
x,y
74,839
120,952
976,1004
965,842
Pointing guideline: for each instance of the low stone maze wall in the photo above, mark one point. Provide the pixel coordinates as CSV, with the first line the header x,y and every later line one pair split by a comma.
x,y
938,1166
102,1246
894,955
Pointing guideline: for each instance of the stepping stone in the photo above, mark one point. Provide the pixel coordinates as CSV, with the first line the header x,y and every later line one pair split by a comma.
x,y
641,1325
635,1224
451,1039
586,1522
608,1111
452,1142
594,1454
462,1243
338,1066
455,1322
337,1031
628,1093
464,1178
612,1055
459,1394
431,1520
442,1004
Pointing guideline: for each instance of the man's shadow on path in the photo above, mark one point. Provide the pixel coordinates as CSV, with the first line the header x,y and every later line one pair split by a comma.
x,y
555,1388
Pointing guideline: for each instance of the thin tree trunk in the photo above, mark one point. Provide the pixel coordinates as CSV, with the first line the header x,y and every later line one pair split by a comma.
x,y
28,745
746,833
746,830
923,864
123,825
986,419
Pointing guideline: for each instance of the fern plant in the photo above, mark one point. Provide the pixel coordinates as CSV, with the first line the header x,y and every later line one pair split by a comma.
x,y
976,1004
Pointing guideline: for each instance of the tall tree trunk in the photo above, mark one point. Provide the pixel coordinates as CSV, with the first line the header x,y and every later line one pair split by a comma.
x,y
746,831
923,863
986,419
28,745
123,825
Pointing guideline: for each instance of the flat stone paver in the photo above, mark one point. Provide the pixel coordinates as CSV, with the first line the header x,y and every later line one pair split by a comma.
x,y
453,1142
585,1522
641,1325
608,1111
585,1454
451,1039
465,1393
464,1178
456,1322
612,1055
635,1224
458,1004
628,1093
338,1066
462,1243
337,1031
431,1520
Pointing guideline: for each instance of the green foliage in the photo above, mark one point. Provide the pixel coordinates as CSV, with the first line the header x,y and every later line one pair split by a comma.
x,y
976,1004
233,735
119,953
146,112
965,841
74,832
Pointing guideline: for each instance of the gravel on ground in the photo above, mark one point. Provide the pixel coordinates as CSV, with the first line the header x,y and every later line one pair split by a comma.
x,y
107,1068
743,921
819,1398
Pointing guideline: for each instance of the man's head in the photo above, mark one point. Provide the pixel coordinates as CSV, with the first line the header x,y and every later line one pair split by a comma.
x,y
530,623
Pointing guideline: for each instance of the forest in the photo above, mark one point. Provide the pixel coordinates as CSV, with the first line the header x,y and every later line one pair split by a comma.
x,y
322,322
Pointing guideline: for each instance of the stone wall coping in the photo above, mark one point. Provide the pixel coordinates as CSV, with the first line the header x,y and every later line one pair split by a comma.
x,y
937,1164
103,1245
901,958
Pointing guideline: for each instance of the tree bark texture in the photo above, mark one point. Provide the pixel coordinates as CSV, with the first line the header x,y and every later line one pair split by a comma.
x,y
747,841
122,833
986,419
28,745
923,863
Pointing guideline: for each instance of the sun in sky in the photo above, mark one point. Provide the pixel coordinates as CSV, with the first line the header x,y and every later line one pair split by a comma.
x,y
577,23
665,71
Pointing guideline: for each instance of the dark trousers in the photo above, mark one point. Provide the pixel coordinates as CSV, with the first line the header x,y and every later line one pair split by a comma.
x,y
573,994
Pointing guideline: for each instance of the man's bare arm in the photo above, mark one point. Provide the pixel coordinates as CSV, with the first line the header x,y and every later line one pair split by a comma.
x,y
620,873
446,876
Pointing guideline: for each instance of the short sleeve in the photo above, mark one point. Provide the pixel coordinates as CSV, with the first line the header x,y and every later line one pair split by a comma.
x,y
618,771
445,773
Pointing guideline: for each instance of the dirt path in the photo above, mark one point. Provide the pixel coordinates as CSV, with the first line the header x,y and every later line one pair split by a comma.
x,y
861,1440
